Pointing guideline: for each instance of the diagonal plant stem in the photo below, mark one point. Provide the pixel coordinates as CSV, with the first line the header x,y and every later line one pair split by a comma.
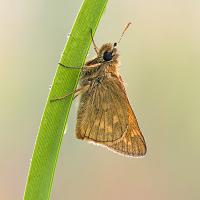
x,y
55,115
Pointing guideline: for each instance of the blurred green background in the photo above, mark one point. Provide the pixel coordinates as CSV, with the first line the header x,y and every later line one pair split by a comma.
x,y
160,57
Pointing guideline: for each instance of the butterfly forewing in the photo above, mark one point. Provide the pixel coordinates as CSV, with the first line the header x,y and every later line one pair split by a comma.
x,y
106,119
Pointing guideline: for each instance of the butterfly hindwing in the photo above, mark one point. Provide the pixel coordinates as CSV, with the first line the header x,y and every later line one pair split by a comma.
x,y
133,143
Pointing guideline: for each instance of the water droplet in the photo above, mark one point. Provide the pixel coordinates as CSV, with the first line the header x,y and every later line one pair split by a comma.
x,y
65,130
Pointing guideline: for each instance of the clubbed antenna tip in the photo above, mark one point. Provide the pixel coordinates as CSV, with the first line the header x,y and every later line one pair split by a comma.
x,y
125,29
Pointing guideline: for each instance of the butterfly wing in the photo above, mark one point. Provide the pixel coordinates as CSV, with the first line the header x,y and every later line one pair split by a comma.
x,y
132,143
106,117
102,115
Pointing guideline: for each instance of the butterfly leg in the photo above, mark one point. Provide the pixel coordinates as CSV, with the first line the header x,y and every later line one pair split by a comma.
x,y
81,68
70,67
76,93
95,46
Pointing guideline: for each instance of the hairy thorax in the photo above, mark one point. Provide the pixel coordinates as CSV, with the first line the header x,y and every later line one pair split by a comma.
x,y
95,75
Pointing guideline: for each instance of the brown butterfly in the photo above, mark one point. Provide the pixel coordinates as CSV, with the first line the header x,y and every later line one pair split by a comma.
x,y
105,115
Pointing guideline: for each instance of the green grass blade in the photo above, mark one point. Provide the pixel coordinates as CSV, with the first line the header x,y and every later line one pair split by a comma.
x,y
55,115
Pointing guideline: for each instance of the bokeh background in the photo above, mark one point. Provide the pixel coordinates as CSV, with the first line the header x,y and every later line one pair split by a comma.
x,y
160,57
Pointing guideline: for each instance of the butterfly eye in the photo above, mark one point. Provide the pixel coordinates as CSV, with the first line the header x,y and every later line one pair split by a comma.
x,y
107,56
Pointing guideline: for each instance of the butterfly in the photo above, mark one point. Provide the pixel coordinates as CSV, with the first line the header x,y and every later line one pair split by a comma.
x,y
105,116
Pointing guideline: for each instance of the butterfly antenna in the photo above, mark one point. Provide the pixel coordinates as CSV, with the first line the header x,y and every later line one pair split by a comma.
x,y
95,46
125,29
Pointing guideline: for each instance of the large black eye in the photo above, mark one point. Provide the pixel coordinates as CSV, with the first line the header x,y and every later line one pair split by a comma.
x,y
107,56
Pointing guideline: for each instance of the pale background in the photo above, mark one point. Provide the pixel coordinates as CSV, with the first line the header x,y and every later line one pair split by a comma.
x,y
160,57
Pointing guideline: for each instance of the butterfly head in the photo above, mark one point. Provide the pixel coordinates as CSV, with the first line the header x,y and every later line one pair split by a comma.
x,y
108,52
